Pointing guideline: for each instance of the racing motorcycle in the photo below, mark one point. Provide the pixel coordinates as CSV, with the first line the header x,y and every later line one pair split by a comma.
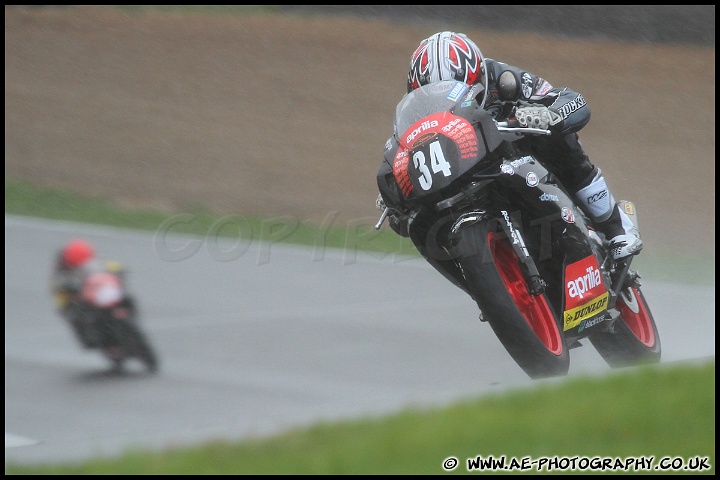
x,y
489,216
105,317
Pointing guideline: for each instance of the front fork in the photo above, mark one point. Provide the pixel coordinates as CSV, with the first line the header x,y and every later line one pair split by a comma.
x,y
536,284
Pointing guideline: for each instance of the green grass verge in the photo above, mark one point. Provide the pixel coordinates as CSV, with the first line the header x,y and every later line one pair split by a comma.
x,y
28,200
659,411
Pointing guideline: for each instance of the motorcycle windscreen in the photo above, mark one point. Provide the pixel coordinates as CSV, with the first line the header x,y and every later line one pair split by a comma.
x,y
433,152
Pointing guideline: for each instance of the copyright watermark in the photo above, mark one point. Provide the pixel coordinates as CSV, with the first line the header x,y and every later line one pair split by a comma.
x,y
581,464
232,236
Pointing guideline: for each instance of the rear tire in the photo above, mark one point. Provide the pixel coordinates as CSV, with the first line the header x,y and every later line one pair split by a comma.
x,y
633,338
526,325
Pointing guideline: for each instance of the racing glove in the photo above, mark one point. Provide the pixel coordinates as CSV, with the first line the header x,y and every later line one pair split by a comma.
x,y
536,116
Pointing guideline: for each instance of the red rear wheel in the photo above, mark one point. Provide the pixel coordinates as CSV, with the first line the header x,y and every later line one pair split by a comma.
x,y
637,316
634,338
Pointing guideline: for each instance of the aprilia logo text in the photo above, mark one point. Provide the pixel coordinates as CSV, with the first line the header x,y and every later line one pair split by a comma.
x,y
587,282
424,126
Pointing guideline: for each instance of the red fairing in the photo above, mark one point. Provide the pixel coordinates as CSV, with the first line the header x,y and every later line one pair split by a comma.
x,y
583,282
457,129
400,171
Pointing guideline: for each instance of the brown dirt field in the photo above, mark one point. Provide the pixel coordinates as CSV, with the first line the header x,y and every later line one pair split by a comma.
x,y
280,115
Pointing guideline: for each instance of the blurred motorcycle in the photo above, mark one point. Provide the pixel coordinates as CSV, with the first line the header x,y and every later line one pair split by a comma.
x,y
105,317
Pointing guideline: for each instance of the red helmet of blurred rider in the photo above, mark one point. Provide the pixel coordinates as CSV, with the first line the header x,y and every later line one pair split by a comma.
x,y
77,253
445,56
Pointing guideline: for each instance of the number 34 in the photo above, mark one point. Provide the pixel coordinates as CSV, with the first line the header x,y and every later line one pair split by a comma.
x,y
437,163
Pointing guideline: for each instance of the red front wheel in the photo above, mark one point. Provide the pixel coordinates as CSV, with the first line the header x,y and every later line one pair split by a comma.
x,y
525,324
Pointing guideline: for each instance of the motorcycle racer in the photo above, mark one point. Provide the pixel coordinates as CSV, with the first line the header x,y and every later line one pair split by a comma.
x,y
531,101
81,281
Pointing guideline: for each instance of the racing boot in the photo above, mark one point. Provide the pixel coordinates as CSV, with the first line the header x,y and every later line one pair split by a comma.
x,y
619,234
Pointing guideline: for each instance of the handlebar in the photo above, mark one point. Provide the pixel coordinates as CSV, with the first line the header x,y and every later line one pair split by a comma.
x,y
383,216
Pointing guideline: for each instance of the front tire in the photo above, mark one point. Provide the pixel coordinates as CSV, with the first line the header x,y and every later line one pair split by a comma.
x,y
131,337
633,339
140,348
526,325
135,344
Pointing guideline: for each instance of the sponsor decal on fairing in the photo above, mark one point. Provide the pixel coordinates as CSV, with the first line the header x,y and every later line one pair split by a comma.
x,y
549,197
457,92
590,323
514,234
425,131
532,179
400,171
420,129
585,292
472,93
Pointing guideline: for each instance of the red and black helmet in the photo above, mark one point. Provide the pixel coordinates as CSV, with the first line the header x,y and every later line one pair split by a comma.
x,y
445,56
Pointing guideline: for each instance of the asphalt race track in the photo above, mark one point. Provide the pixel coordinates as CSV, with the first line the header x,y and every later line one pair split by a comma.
x,y
257,338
